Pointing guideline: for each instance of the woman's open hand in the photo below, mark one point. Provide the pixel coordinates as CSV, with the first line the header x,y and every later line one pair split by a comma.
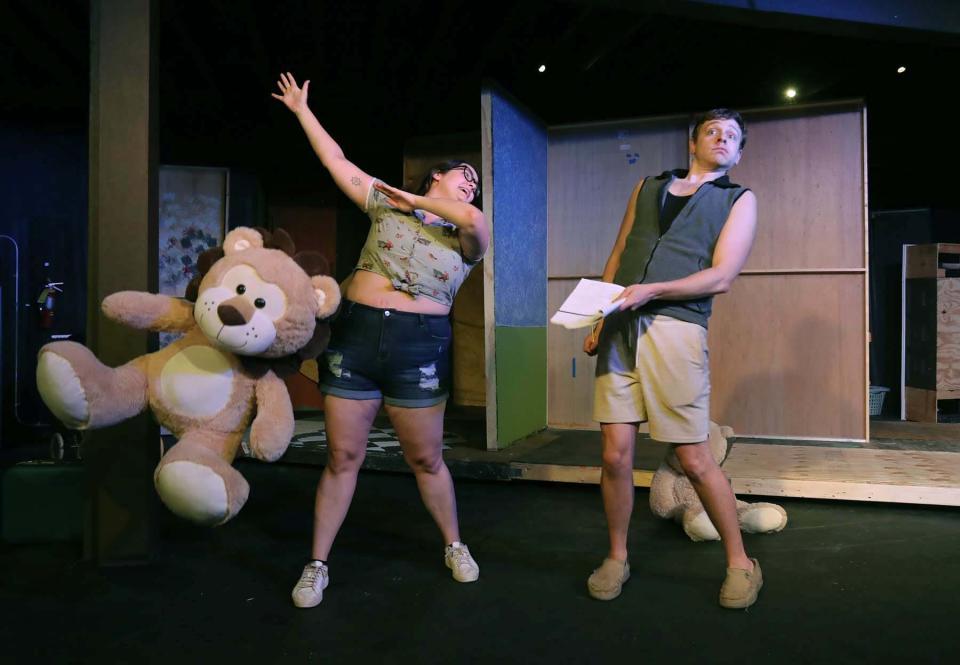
x,y
293,97
399,199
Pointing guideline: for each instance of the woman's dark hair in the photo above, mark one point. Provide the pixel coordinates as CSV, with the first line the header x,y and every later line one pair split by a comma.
x,y
444,167
720,114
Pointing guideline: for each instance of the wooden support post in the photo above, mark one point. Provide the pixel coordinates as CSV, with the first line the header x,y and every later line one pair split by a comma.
x,y
122,256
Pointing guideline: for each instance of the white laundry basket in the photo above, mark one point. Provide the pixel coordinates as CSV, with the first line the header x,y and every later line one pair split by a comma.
x,y
877,393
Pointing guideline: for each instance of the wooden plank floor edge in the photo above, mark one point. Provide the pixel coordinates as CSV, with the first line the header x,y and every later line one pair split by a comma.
x,y
783,479
568,473
846,491
868,465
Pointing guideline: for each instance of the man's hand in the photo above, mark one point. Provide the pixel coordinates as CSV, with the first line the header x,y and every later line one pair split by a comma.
x,y
593,339
293,97
636,295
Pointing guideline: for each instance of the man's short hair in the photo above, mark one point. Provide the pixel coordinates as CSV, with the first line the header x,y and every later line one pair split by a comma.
x,y
720,114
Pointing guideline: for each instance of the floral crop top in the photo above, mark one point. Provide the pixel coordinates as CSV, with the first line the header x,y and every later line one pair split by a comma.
x,y
419,259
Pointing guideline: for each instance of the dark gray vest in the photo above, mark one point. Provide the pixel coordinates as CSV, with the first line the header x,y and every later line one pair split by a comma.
x,y
687,246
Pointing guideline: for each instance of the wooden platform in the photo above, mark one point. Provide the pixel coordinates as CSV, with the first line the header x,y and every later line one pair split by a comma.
x,y
903,463
896,476
814,470
811,472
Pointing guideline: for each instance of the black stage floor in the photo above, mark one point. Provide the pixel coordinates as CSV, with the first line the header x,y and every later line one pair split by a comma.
x,y
845,582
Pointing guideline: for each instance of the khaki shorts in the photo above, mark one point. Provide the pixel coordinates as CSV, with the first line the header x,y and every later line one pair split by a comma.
x,y
654,368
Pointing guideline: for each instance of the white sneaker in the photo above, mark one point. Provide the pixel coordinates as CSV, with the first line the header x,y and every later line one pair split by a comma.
x,y
309,589
458,559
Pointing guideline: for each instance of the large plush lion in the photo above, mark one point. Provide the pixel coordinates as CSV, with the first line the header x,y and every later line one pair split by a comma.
x,y
672,496
258,309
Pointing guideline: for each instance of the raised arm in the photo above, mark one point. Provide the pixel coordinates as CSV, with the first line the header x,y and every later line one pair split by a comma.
x,y
729,256
351,180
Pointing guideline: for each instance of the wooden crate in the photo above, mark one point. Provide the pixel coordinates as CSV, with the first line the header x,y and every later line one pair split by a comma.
x,y
931,328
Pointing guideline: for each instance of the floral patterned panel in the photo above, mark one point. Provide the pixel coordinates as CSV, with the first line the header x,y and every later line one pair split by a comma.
x,y
192,216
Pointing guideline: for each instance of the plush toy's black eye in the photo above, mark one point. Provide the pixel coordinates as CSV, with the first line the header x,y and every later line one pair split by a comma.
x,y
241,289
260,303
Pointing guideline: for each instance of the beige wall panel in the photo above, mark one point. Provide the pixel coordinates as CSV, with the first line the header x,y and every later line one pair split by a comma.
x,y
569,397
807,173
591,172
787,356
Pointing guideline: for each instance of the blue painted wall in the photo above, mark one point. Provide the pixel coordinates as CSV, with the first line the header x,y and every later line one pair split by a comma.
x,y
520,214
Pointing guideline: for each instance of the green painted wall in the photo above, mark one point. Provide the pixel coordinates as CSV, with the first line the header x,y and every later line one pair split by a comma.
x,y
521,382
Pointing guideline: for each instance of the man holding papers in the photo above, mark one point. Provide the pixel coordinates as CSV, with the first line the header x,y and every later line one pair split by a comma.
x,y
685,237
589,302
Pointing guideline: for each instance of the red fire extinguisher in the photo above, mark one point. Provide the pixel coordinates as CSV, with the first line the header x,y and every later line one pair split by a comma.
x,y
47,301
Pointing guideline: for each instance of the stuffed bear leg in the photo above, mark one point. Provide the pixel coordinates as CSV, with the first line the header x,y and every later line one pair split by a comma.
x,y
196,483
664,501
697,525
753,518
761,517
82,392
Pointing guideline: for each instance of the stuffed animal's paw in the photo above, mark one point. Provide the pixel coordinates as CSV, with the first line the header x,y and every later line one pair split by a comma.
x,y
697,525
266,445
199,492
272,429
61,389
762,517
193,491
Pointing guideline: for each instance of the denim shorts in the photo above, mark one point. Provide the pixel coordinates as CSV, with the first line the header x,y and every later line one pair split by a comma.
x,y
402,357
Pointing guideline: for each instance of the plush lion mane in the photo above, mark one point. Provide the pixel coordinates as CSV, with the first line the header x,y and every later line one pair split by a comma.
x,y
313,263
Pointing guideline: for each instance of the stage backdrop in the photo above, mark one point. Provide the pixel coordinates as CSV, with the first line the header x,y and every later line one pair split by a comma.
x,y
788,343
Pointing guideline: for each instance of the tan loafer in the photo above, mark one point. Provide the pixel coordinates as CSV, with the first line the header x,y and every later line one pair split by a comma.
x,y
741,587
607,581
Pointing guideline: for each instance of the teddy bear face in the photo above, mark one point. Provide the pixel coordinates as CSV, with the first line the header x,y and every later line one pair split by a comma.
x,y
258,302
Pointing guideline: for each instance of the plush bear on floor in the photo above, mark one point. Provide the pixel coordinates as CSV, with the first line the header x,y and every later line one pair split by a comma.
x,y
255,311
673,497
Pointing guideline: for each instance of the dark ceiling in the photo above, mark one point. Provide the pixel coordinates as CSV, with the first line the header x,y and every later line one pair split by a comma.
x,y
383,71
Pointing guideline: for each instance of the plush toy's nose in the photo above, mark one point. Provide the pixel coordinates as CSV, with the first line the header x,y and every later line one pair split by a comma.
x,y
235,312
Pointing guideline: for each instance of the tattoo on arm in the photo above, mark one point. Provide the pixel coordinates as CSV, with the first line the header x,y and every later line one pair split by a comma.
x,y
355,180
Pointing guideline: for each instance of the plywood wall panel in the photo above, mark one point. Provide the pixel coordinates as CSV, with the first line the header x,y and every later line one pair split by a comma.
x,y
948,338
786,356
591,172
807,173
569,369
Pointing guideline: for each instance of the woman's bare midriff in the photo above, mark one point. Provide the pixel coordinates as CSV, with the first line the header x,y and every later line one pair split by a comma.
x,y
369,288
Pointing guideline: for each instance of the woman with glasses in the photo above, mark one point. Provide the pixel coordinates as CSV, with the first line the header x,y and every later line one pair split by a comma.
x,y
391,339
